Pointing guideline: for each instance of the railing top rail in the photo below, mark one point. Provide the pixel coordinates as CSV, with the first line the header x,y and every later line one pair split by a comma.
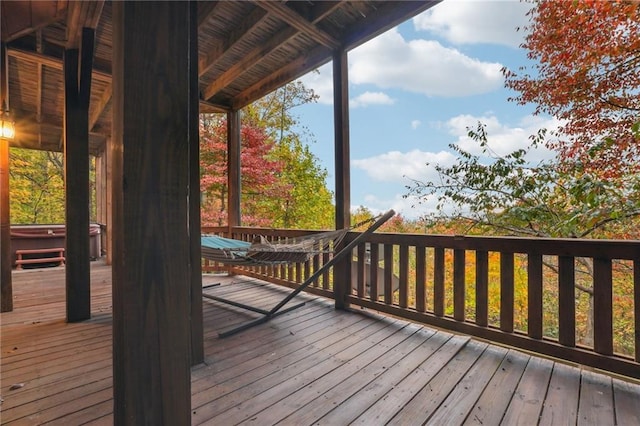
x,y
573,247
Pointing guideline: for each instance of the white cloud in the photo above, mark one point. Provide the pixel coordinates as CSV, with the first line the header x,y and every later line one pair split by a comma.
x,y
418,66
399,204
401,167
502,139
321,81
371,98
396,166
415,124
421,66
479,21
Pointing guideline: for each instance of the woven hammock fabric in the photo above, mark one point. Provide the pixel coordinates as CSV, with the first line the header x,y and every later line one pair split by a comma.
x,y
294,250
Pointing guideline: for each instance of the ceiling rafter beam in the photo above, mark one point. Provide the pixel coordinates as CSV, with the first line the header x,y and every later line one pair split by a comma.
x,y
207,10
293,70
81,14
248,25
390,14
98,75
292,18
260,52
100,107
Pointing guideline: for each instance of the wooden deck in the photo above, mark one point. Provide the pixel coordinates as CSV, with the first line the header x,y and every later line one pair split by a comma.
x,y
313,365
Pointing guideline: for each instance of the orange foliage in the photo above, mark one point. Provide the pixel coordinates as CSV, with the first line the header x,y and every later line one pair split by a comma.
x,y
587,73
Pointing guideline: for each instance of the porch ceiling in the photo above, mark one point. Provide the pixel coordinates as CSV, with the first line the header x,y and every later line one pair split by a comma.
x,y
247,49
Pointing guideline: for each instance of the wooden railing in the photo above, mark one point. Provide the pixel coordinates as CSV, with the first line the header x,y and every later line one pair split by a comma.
x,y
577,300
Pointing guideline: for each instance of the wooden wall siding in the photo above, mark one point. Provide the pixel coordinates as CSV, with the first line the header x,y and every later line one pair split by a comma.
x,y
153,131
78,65
433,305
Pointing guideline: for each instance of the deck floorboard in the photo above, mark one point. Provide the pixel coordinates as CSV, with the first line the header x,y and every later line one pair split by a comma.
x,y
311,366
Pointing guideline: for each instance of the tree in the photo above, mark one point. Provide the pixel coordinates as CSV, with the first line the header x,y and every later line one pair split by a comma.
x,y
37,187
506,195
308,203
587,72
258,171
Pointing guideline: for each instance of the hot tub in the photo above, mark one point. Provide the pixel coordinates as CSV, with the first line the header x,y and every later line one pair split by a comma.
x,y
33,237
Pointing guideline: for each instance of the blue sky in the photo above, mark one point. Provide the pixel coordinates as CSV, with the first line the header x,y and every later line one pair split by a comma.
x,y
416,89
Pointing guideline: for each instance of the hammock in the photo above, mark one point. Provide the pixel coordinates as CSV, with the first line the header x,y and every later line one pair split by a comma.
x,y
263,252
231,251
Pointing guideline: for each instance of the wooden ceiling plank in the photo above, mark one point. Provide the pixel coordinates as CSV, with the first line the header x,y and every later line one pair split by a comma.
x,y
298,22
258,53
100,107
248,25
53,62
207,10
385,17
290,72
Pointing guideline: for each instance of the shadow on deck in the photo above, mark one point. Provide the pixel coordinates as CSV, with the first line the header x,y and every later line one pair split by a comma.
x,y
313,365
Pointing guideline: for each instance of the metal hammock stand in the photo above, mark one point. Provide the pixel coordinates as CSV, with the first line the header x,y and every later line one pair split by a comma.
x,y
244,253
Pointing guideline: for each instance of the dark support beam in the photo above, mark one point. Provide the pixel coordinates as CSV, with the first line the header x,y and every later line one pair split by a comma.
x,y
152,131
6,287
233,172
77,84
197,326
109,153
101,189
342,284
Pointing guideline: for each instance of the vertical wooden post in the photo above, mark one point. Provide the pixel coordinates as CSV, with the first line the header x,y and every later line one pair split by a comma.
x,y
233,168
152,131
341,275
109,153
197,326
77,93
101,195
6,287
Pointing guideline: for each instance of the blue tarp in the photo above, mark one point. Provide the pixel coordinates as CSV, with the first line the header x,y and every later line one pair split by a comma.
x,y
221,243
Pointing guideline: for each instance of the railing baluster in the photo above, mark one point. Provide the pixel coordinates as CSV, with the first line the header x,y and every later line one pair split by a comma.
x,y
534,289
360,268
299,267
325,276
602,306
636,305
506,292
566,301
316,266
458,284
404,274
307,270
540,298
421,278
373,272
388,274
482,288
438,281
